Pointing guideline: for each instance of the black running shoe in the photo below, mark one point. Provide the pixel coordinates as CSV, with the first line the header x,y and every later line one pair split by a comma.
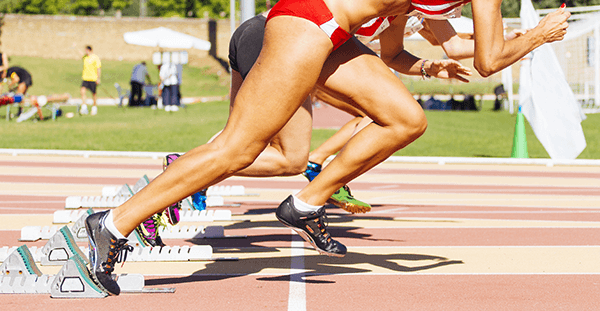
x,y
105,251
310,226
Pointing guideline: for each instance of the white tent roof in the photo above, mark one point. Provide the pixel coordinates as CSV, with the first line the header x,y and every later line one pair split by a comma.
x,y
461,24
165,38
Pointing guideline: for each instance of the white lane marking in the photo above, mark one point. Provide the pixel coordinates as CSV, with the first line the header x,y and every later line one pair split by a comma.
x,y
297,295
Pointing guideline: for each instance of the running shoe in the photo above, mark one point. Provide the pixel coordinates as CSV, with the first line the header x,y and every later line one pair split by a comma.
x,y
312,170
172,212
344,200
199,200
311,227
148,231
105,251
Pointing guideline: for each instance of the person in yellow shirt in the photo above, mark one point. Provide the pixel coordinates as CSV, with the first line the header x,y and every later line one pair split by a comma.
x,y
91,79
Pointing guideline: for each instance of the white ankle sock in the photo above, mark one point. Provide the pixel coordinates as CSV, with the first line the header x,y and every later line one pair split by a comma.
x,y
304,207
110,225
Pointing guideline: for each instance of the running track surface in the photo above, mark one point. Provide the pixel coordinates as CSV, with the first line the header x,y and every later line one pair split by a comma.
x,y
440,237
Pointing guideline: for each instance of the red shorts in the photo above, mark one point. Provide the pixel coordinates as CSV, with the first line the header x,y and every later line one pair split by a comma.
x,y
315,11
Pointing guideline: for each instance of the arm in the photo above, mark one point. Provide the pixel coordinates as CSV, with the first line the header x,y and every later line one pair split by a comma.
x,y
442,33
99,73
493,53
5,64
394,55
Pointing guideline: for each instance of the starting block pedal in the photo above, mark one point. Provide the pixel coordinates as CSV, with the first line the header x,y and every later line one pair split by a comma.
x,y
20,275
20,262
78,228
60,248
74,281
140,184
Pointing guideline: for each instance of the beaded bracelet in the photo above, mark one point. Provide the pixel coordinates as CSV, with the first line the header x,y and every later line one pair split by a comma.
x,y
424,73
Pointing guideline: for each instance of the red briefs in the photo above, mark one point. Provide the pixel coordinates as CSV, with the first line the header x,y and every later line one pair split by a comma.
x,y
315,11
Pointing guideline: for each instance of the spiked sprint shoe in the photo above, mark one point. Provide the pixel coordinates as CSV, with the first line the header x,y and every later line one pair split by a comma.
x,y
148,231
311,227
172,212
105,251
312,170
344,200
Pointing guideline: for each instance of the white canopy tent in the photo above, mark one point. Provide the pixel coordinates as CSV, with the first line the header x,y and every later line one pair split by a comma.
x,y
162,37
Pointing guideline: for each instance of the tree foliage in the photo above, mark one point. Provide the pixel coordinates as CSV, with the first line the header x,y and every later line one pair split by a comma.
x,y
51,7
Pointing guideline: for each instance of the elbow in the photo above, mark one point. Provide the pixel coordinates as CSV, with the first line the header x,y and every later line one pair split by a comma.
x,y
485,69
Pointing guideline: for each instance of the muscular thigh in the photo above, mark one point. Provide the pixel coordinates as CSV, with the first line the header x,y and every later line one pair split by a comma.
x,y
358,76
289,64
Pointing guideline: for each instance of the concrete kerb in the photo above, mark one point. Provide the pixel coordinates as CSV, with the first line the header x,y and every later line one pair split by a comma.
x,y
393,159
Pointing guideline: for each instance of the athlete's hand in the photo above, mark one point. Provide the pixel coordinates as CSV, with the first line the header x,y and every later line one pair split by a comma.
x,y
515,33
448,69
554,26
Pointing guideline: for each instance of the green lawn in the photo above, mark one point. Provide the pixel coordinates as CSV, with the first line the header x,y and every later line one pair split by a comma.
x,y
450,133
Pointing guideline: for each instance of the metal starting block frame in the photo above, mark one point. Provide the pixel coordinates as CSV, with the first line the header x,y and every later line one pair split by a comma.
x,y
35,233
60,248
20,275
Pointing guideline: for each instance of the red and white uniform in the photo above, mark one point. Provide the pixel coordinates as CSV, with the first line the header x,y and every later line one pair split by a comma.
x,y
419,9
315,11
318,12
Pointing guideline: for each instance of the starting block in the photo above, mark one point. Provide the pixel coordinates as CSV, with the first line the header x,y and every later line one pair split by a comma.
x,y
20,262
74,281
226,191
60,248
20,275
140,184
172,253
5,251
68,216
75,202
205,215
192,232
78,228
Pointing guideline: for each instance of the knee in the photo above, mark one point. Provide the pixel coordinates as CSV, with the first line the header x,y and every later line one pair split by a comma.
x,y
411,125
296,165
236,157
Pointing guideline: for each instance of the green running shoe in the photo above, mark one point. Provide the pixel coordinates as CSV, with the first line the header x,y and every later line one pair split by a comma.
x,y
344,200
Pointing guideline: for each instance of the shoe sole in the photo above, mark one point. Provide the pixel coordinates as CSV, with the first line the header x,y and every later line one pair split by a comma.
x,y
350,207
310,240
95,250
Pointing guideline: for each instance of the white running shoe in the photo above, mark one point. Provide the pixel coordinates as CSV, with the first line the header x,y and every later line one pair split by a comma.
x,y
83,109
168,108
174,108
94,110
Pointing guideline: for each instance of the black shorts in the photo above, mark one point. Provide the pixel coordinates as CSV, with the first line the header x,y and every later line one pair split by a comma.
x,y
90,85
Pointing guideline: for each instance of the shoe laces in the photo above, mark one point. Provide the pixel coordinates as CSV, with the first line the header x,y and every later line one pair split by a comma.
x,y
118,250
321,220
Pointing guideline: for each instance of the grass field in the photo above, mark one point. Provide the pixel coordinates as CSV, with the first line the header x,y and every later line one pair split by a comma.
x,y
450,133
